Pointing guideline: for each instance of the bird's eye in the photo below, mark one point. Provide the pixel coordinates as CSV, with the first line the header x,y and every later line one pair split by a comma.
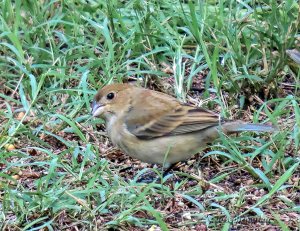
x,y
110,95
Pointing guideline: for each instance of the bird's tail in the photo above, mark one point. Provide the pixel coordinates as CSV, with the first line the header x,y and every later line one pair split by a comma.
x,y
238,126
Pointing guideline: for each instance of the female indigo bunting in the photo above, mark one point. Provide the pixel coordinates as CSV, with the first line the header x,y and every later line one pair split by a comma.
x,y
156,128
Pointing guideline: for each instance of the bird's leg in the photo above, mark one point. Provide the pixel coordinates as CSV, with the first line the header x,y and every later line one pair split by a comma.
x,y
149,177
172,166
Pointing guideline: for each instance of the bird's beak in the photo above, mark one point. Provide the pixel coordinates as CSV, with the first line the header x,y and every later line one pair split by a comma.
x,y
97,109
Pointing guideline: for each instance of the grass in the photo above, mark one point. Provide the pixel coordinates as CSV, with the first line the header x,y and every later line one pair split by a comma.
x,y
58,169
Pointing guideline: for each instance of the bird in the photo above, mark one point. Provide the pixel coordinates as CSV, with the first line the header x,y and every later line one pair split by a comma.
x,y
156,128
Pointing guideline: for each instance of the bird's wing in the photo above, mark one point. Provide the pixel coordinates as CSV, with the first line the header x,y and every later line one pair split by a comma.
x,y
162,115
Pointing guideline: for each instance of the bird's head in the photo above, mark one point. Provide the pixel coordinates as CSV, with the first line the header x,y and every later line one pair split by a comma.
x,y
111,100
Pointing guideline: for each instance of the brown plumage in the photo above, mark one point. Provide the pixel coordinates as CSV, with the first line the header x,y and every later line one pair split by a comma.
x,y
155,127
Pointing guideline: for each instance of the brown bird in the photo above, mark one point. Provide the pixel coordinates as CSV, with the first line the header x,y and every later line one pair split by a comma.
x,y
156,128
